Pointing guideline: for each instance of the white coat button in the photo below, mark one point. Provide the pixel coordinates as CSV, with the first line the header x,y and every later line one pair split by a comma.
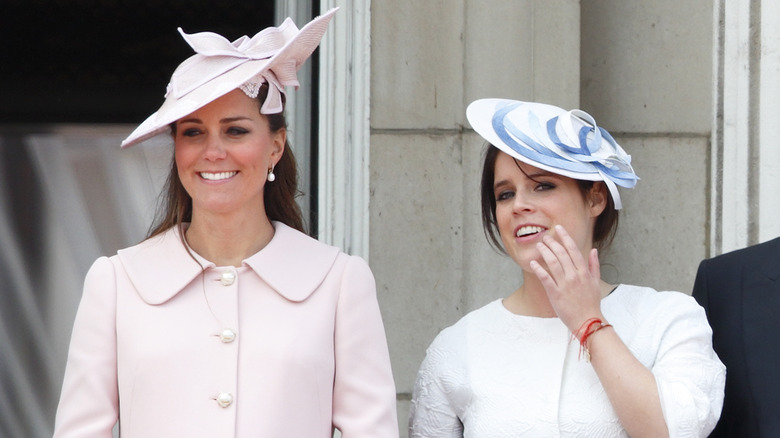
x,y
227,336
227,278
225,399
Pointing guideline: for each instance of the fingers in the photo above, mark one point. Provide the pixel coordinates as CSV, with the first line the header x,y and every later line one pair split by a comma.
x,y
570,278
594,265
547,281
564,261
552,253
570,245
562,257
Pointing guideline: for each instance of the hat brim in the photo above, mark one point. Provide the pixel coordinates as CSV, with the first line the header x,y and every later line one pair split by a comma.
x,y
480,115
174,109
296,51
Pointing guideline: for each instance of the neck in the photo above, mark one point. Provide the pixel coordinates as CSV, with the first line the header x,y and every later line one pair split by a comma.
x,y
531,298
228,240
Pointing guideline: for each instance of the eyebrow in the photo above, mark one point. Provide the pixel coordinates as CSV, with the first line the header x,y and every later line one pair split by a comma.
x,y
498,184
223,121
532,177
542,174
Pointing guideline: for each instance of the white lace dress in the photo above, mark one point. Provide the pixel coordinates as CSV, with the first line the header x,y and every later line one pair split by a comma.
x,y
495,374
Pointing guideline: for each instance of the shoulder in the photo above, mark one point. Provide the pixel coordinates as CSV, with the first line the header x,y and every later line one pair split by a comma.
x,y
295,264
99,293
453,337
354,267
159,267
652,323
751,254
644,295
313,254
446,363
101,268
166,242
449,348
640,302
100,275
164,252
722,274
291,245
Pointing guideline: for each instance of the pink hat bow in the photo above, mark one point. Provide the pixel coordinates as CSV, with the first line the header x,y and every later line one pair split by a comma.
x,y
216,55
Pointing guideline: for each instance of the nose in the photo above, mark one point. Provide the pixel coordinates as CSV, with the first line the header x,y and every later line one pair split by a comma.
x,y
521,203
215,150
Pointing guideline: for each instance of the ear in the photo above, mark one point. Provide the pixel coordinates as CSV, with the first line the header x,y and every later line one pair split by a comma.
x,y
597,198
279,139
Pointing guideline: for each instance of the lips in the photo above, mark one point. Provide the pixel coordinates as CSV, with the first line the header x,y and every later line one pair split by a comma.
x,y
527,230
217,176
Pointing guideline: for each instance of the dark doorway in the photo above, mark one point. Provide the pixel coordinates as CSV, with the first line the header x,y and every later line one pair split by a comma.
x,y
104,61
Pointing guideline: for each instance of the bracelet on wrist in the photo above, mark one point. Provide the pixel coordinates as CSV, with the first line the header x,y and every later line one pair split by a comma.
x,y
587,329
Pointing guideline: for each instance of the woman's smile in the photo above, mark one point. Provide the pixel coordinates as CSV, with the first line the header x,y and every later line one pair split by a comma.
x,y
218,176
529,232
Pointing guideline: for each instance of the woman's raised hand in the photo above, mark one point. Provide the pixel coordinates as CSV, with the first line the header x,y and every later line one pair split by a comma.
x,y
573,284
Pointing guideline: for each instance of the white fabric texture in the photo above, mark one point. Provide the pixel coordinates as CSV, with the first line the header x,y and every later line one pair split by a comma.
x,y
496,374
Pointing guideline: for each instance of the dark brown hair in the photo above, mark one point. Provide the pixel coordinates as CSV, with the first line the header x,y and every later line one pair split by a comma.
x,y
175,207
603,231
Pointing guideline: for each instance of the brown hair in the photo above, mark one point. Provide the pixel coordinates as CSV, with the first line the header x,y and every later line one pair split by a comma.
x,y
175,207
603,231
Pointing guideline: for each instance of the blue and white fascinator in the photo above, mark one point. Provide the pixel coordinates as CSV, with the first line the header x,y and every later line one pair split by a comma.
x,y
567,143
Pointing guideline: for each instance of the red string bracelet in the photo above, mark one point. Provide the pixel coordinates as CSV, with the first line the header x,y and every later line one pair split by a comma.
x,y
587,328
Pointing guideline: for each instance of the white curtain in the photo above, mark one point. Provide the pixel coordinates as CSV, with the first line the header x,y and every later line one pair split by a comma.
x,y
67,196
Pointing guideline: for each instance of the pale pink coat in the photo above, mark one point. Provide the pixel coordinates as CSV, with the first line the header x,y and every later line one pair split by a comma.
x,y
309,352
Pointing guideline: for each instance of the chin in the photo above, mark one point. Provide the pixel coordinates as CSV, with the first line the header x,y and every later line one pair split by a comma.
x,y
524,262
218,207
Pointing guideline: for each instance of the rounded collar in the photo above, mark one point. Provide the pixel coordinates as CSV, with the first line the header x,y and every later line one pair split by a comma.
x,y
293,264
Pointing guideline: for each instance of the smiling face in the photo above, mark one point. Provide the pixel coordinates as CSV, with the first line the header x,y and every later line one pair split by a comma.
x,y
530,201
223,152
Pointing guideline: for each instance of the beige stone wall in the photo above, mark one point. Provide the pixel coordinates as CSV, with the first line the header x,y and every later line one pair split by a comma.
x,y
642,69
647,78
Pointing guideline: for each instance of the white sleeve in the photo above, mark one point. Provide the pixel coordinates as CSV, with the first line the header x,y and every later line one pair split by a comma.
x,y
433,412
689,375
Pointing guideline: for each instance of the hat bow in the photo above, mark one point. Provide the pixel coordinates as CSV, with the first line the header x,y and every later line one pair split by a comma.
x,y
215,55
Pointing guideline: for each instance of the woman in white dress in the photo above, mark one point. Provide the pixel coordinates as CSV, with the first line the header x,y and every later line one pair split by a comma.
x,y
566,354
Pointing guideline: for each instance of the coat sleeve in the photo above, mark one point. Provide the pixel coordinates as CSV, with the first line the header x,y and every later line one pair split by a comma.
x,y
689,375
89,401
364,391
433,412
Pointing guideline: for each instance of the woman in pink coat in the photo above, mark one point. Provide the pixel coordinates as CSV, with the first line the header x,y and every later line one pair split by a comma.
x,y
229,321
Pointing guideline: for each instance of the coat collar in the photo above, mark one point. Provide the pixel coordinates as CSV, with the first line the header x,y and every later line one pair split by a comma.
x,y
293,264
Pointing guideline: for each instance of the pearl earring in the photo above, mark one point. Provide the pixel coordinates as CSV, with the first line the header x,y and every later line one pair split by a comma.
x,y
271,177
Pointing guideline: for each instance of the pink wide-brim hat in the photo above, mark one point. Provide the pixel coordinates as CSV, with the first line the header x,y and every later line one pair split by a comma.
x,y
274,55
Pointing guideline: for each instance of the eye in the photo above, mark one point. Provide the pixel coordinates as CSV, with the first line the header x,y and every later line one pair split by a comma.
x,y
542,186
190,132
504,195
237,130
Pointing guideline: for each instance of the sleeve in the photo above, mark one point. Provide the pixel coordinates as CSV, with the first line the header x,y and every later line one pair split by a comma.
x,y
89,401
432,413
700,292
364,399
689,375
